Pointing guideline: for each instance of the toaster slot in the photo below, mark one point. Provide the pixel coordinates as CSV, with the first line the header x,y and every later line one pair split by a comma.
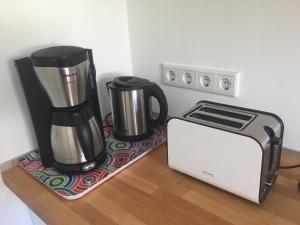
x,y
226,113
221,121
221,116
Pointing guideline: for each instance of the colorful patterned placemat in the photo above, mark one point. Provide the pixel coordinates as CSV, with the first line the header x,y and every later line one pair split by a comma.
x,y
119,156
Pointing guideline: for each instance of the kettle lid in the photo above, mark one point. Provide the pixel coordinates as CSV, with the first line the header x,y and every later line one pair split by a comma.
x,y
130,82
59,56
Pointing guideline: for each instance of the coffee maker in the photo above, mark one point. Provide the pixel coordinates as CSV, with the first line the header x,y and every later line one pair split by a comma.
x,y
60,86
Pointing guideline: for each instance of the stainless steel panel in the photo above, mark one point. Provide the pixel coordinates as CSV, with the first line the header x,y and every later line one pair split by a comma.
x,y
254,128
225,109
128,112
64,86
66,147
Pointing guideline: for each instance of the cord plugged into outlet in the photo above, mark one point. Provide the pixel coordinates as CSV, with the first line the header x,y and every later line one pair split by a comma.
x,y
202,79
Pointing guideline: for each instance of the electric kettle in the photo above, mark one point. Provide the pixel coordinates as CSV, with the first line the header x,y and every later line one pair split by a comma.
x,y
131,106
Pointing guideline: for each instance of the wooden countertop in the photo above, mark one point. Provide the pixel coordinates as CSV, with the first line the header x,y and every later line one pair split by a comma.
x,y
148,192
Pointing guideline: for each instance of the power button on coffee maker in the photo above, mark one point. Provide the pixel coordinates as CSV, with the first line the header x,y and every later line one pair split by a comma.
x,y
89,166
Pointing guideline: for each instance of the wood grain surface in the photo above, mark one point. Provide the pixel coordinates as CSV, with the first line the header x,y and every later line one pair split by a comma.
x,y
149,192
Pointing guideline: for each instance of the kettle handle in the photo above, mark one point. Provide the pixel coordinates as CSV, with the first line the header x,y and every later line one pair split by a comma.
x,y
153,90
85,136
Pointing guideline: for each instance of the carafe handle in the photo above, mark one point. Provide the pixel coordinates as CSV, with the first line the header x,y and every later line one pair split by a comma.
x,y
153,90
85,136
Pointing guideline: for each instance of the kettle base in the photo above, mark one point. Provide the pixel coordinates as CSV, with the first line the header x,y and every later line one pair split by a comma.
x,y
133,138
79,168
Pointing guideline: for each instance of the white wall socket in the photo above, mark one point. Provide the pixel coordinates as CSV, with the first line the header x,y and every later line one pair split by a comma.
x,y
203,79
227,84
187,78
170,76
206,81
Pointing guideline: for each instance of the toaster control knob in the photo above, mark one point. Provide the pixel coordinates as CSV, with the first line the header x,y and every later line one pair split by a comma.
x,y
267,183
269,179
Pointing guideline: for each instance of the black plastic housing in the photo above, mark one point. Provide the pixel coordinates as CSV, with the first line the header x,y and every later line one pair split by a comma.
x,y
39,107
59,56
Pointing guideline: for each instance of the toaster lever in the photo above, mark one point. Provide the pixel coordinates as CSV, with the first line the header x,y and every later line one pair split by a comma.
x,y
273,141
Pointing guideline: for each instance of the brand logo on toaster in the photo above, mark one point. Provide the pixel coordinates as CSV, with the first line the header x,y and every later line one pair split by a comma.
x,y
207,173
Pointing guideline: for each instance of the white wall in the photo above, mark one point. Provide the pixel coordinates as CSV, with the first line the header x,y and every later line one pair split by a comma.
x,y
259,38
35,219
12,210
26,26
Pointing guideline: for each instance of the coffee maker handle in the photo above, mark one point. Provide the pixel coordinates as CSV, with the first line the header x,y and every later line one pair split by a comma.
x,y
153,90
85,136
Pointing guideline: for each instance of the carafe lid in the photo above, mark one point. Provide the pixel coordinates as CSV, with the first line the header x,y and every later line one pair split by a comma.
x,y
130,82
59,56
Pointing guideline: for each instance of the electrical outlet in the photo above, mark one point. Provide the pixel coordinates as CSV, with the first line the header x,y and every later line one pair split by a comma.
x,y
170,75
206,81
187,78
227,84
214,81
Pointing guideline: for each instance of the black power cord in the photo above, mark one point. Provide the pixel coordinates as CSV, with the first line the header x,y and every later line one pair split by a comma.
x,y
107,120
292,167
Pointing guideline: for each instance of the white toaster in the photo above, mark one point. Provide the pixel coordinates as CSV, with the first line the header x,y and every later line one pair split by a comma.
x,y
233,148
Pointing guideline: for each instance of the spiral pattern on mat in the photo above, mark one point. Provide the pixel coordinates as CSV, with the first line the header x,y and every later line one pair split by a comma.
x,y
107,162
118,155
118,145
121,158
33,166
58,181
88,179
